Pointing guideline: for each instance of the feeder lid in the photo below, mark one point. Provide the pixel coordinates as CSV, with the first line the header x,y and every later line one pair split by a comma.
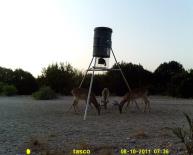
x,y
103,29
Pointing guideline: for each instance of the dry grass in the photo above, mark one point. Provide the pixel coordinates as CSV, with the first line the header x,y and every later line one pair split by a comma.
x,y
140,134
165,132
104,150
39,145
96,150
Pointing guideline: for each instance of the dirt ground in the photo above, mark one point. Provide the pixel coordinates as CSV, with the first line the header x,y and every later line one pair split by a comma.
x,y
46,125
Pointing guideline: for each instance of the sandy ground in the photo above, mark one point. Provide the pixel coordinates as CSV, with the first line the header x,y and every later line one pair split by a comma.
x,y
24,120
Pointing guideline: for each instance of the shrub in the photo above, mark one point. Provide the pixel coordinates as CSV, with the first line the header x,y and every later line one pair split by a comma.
x,y
9,90
186,136
45,93
1,87
24,81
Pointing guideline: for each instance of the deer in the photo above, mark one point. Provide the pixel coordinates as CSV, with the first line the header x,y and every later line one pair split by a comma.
x,y
105,97
82,94
134,94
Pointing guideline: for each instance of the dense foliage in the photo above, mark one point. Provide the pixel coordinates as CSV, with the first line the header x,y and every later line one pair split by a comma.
x,y
61,78
170,78
24,81
7,90
136,76
164,75
44,93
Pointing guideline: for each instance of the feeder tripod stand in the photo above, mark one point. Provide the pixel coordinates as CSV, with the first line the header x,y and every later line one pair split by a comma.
x,y
93,69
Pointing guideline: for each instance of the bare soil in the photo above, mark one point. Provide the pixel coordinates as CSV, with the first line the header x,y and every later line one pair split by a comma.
x,y
46,125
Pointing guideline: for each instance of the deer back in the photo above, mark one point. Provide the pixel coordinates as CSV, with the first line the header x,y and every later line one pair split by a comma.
x,y
80,93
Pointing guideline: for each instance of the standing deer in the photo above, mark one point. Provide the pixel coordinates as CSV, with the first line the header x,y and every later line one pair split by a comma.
x,y
132,96
105,97
82,94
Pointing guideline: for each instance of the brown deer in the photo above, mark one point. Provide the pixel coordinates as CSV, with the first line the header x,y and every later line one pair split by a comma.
x,y
134,94
105,97
82,94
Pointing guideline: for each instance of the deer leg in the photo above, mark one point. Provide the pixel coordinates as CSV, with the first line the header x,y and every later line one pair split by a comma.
x,y
72,105
70,108
75,105
121,105
95,103
147,104
105,104
101,101
128,103
145,107
90,105
137,105
97,106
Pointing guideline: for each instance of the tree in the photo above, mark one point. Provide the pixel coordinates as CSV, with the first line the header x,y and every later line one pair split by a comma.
x,y
61,78
163,75
24,81
185,87
174,87
136,76
6,75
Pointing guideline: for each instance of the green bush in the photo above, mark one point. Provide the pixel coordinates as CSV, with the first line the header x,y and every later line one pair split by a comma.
x,y
45,93
9,90
1,87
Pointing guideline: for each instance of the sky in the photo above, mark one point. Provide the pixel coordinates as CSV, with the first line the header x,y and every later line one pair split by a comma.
x,y
36,33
